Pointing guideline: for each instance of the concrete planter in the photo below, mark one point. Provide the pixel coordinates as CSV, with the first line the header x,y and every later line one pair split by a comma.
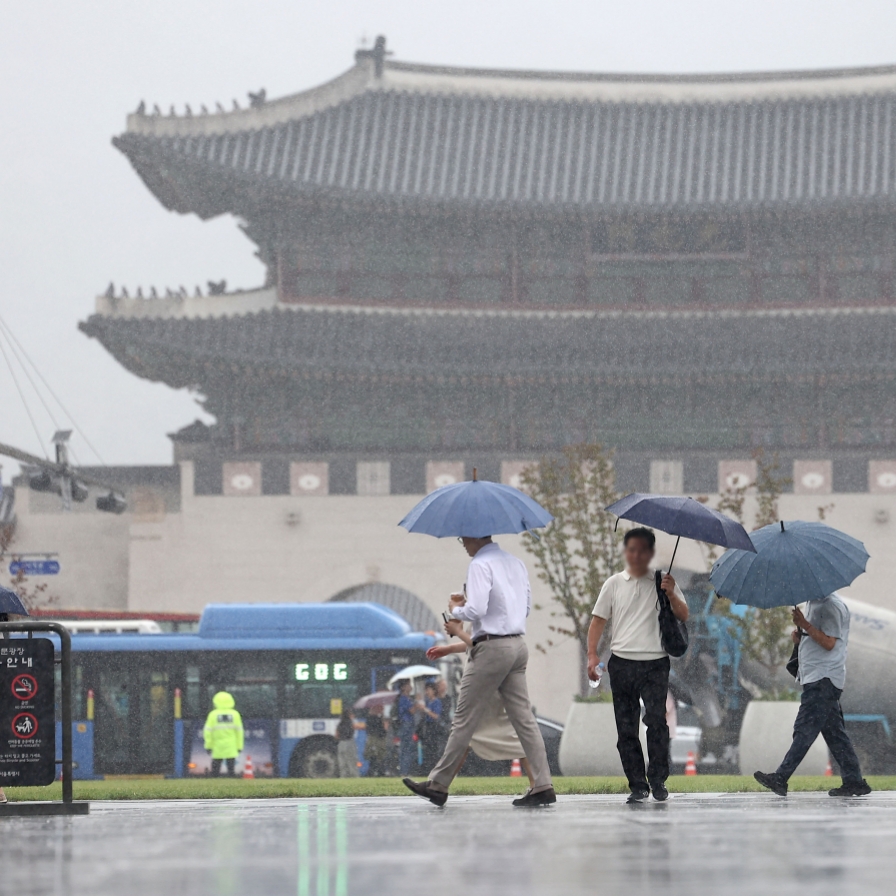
x,y
765,737
588,745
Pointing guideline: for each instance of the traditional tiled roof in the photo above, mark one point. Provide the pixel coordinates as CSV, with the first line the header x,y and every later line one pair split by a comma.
x,y
585,143
322,343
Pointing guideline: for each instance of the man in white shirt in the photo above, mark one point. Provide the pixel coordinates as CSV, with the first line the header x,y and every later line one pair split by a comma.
x,y
638,667
496,601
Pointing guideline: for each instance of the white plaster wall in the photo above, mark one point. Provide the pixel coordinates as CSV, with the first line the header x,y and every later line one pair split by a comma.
x,y
92,552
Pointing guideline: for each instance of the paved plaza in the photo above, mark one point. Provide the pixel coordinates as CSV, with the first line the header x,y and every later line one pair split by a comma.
x,y
694,844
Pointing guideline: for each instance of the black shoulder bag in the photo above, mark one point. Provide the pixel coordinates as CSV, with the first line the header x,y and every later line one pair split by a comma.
x,y
673,632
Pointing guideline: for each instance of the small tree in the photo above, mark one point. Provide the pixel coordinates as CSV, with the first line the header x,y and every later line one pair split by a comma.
x,y
576,554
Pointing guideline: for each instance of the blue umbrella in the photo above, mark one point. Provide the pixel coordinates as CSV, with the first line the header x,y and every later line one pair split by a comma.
x,y
475,509
683,517
794,562
10,603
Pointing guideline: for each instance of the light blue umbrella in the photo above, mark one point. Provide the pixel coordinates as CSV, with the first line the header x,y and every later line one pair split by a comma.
x,y
794,562
475,509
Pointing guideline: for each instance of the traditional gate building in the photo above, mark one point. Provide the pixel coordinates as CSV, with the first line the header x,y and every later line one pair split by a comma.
x,y
475,267
484,265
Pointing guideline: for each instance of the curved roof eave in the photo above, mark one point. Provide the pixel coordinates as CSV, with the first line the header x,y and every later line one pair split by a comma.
x,y
322,343
659,89
272,112
187,184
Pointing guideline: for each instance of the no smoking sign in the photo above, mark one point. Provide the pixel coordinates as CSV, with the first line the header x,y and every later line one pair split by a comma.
x,y
24,687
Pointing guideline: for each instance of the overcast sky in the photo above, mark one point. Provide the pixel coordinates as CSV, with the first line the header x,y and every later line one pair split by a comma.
x,y
73,214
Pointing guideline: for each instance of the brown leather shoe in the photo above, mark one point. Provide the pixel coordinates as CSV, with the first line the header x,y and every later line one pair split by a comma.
x,y
436,797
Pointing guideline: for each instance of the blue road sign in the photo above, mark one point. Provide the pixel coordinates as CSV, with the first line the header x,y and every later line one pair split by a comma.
x,y
34,568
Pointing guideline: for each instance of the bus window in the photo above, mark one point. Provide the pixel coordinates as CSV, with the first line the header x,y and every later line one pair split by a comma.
x,y
256,700
193,695
113,735
319,701
153,745
253,688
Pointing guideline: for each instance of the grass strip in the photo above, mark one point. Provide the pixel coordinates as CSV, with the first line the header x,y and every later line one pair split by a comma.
x,y
318,788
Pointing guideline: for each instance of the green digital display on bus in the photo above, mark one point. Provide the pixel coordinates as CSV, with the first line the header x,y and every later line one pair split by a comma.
x,y
321,671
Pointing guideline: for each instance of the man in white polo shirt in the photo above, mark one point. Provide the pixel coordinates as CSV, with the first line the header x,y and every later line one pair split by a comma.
x,y
638,667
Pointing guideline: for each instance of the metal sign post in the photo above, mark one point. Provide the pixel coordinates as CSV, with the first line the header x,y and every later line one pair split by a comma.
x,y
27,723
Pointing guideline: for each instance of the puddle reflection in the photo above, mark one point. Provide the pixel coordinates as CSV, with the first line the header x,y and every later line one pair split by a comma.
x,y
322,841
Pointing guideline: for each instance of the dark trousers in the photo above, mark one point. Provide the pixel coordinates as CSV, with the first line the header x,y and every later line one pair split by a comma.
x,y
633,681
216,767
820,713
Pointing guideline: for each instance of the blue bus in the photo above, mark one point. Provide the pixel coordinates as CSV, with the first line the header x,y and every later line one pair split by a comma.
x,y
141,699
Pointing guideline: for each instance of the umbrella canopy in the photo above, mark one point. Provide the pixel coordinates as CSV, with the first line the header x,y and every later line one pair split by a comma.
x,y
411,672
475,509
10,603
378,698
684,517
794,562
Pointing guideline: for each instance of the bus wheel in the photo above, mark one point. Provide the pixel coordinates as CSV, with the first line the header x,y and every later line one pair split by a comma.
x,y
314,758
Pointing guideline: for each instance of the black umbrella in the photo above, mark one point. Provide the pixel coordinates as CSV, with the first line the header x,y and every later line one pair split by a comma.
x,y
684,517
10,603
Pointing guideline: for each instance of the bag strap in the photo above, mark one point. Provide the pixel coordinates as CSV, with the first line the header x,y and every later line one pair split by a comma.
x,y
662,599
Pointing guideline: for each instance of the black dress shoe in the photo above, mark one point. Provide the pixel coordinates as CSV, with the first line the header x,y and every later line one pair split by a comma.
x,y
660,794
436,797
853,788
638,795
536,800
774,782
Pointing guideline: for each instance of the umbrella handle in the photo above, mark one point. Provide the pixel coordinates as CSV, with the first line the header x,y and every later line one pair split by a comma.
x,y
674,552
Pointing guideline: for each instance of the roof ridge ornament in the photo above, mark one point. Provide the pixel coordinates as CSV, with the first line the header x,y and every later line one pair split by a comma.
x,y
378,54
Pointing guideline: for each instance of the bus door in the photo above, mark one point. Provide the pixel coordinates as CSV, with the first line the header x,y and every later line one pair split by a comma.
x,y
134,724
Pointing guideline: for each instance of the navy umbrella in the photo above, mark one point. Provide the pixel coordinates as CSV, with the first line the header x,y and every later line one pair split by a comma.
x,y
684,517
10,603
794,562
475,509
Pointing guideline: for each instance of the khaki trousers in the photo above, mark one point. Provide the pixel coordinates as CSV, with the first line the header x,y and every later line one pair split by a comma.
x,y
498,665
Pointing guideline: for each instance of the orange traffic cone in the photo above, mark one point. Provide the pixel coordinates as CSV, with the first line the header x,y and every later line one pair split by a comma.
x,y
516,770
829,771
690,767
248,771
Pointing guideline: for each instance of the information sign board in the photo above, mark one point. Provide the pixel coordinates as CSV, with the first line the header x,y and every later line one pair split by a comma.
x,y
27,712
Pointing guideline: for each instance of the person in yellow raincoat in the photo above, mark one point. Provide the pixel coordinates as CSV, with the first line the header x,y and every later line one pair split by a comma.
x,y
223,733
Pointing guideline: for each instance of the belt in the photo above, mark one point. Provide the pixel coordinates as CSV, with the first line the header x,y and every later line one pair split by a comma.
x,y
480,638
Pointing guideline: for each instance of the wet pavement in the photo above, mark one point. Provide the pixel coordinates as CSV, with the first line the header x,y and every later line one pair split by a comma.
x,y
477,846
